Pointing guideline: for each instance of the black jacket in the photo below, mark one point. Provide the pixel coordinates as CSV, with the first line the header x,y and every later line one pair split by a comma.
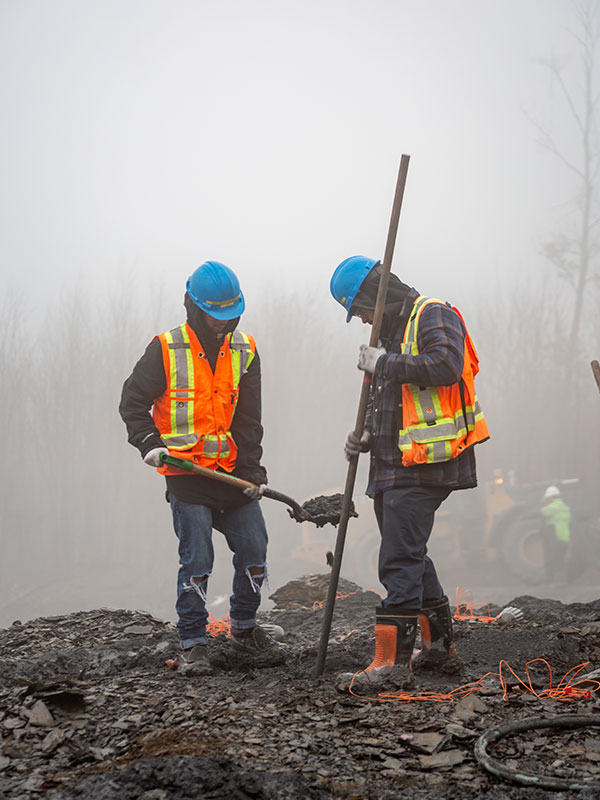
x,y
148,381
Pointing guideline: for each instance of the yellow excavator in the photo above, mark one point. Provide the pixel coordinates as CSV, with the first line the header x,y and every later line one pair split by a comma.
x,y
499,523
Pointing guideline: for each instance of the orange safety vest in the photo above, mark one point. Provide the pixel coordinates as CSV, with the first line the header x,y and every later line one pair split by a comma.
x,y
195,412
439,422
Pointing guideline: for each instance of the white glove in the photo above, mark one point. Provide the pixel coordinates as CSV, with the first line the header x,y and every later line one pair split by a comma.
x,y
368,357
152,457
255,492
510,614
354,446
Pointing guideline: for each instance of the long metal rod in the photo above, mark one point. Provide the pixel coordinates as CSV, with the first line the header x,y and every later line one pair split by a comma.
x,y
596,371
360,416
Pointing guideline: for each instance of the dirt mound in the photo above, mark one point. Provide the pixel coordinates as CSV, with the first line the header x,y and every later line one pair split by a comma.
x,y
182,777
89,709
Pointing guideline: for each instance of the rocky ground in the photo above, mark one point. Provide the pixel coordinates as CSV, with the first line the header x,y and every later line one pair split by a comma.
x,y
89,709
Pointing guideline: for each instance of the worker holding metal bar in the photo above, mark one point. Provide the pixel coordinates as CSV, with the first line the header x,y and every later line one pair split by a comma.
x,y
196,394
422,423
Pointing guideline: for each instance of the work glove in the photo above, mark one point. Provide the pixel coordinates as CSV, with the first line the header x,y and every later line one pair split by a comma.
x,y
510,614
354,445
255,492
368,357
152,457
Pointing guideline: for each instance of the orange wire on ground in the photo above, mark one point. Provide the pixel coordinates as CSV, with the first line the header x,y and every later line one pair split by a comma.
x,y
565,690
213,628
465,609
216,626
338,596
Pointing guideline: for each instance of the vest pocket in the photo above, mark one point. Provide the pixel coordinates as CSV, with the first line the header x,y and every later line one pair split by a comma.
x,y
431,444
182,441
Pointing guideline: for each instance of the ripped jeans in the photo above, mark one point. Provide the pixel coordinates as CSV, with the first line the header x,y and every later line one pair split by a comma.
x,y
246,535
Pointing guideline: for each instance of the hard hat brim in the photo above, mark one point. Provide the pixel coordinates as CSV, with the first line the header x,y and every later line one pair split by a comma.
x,y
224,312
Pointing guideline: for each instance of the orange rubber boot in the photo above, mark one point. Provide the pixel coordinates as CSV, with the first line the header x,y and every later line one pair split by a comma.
x,y
395,634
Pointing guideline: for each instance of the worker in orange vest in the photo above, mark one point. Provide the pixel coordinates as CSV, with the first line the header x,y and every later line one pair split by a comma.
x,y
196,394
422,423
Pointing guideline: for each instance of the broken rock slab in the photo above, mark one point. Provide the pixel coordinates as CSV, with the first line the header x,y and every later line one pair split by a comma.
x,y
468,708
444,760
39,714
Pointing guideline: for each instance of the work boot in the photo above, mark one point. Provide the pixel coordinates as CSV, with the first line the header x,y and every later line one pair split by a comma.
x,y
395,634
437,648
194,661
256,647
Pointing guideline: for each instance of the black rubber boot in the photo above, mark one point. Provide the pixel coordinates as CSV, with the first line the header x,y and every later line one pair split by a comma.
x,y
395,634
437,646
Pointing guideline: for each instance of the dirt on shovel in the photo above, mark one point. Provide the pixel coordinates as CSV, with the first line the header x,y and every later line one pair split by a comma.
x,y
322,510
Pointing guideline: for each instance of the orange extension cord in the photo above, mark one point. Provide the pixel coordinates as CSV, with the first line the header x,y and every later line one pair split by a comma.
x,y
318,604
465,609
216,626
566,690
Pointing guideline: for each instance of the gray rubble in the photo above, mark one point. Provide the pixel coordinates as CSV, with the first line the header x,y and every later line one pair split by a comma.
x,y
88,708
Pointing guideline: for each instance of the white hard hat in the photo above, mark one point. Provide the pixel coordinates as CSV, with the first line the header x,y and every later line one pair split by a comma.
x,y
551,491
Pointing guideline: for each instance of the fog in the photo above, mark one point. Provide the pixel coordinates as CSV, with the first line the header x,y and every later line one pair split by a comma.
x,y
141,138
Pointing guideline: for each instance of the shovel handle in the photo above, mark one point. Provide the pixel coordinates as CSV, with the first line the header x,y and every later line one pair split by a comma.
x,y
189,466
299,514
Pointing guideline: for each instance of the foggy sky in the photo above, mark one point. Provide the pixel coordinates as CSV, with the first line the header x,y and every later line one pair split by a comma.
x,y
153,135
140,138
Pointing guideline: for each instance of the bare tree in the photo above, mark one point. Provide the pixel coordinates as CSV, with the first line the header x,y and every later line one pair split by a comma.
x,y
573,252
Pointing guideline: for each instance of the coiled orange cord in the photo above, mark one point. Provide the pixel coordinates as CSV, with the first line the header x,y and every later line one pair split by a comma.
x,y
566,690
465,607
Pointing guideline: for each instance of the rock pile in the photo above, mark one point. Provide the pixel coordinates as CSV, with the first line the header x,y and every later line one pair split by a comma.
x,y
89,709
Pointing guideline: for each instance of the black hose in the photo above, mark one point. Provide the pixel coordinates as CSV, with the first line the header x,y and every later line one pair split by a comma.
x,y
527,778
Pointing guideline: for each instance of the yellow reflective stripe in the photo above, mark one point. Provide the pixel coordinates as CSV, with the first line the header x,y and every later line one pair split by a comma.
x,y
410,336
241,355
424,399
223,303
250,353
215,445
236,367
172,380
190,381
415,395
181,381
438,451
445,430
180,442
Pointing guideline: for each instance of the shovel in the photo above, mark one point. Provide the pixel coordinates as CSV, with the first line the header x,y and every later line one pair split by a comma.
x,y
320,510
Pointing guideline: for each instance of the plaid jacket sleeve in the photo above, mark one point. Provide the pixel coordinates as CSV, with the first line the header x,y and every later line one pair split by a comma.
x,y
440,339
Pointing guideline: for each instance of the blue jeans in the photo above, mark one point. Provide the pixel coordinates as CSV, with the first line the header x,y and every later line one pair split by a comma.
x,y
246,535
405,518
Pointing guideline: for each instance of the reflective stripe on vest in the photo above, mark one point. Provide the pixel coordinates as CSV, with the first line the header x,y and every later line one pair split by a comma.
x,y
558,515
438,433
242,355
184,434
180,389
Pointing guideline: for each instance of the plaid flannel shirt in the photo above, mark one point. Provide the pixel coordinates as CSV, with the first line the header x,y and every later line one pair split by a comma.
x,y
440,339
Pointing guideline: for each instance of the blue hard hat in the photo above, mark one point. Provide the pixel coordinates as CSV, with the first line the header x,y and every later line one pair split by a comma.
x,y
216,290
348,278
